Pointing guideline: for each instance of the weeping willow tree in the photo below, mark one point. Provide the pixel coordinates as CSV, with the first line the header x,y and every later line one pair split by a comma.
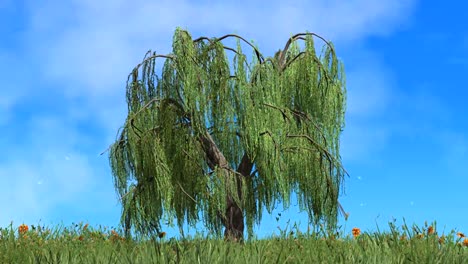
x,y
213,143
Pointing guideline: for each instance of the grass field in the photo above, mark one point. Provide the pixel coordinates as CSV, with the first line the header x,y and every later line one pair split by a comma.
x,y
82,244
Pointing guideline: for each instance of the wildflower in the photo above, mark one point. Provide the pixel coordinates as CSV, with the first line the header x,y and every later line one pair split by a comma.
x,y
403,237
441,240
420,236
115,236
23,229
430,230
460,235
85,227
356,231
162,234
465,242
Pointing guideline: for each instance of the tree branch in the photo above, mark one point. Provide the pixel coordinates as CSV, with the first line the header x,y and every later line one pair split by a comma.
x,y
328,154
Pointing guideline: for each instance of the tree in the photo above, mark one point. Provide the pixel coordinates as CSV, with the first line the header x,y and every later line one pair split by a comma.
x,y
211,143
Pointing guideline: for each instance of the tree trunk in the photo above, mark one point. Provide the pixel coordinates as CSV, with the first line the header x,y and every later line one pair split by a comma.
x,y
233,217
234,226
234,214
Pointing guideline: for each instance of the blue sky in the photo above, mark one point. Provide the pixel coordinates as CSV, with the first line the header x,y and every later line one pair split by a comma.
x,y
63,66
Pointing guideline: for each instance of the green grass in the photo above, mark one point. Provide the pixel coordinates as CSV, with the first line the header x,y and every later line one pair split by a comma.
x,y
82,244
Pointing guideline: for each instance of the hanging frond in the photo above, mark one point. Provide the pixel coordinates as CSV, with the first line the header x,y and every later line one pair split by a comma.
x,y
193,135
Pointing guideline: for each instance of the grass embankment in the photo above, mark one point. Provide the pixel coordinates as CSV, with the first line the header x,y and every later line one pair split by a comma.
x,y
84,245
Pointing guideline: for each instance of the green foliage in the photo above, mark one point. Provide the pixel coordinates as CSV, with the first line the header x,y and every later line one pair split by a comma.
x,y
87,245
188,130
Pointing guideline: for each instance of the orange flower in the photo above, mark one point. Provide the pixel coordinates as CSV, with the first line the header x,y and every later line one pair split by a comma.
x,y
420,236
114,236
403,237
430,230
465,242
460,234
23,229
162,234
441,240
85,227
356,232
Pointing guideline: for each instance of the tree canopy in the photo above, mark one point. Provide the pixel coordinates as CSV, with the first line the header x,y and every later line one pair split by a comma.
x,y
212,141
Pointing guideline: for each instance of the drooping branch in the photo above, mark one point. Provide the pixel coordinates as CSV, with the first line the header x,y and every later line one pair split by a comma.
x,y
185,133
299,36
329,156
257,53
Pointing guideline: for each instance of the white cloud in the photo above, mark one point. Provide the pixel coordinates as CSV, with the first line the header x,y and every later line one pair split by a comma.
x,y
95,43
370,90
85,50
363,142
13,86
37,186
49,140
370,86
88,47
